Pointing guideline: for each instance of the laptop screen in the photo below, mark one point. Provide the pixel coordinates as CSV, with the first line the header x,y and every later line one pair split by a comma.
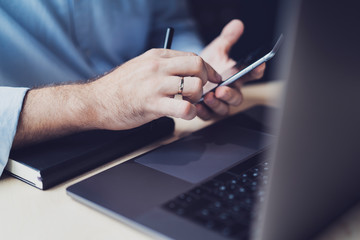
x,y
316,163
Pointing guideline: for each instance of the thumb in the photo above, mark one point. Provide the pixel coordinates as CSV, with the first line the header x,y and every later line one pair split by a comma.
x,y
230,35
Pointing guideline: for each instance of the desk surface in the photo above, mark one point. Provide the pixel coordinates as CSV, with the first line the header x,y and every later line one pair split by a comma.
x,y
29,213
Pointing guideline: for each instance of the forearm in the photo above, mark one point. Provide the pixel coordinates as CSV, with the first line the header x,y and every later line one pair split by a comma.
x,y
133,94
55,111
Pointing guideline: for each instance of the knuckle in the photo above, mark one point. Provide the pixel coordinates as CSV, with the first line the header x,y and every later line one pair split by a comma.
x,y
159,85
163,52
198,63
198,85
185,111
196,89
191,54
153,52
154,65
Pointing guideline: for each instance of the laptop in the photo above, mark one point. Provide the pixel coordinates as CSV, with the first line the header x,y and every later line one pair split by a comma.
x,y
240,178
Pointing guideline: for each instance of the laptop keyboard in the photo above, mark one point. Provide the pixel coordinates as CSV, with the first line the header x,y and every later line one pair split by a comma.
x,y
225,203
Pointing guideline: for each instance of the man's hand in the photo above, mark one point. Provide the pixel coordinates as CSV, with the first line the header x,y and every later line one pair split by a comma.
x,y
217,55
135,93
143,89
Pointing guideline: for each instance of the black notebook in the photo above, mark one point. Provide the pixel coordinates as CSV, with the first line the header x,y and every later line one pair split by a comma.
x,y
49,163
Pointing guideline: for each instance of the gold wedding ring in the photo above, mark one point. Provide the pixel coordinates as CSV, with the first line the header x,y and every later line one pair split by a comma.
x,y
181,86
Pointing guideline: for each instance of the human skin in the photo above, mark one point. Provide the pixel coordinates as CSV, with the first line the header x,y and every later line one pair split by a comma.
x,y
217,55
136,92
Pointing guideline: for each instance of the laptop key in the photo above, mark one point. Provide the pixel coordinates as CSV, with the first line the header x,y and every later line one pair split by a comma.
x,y
225,203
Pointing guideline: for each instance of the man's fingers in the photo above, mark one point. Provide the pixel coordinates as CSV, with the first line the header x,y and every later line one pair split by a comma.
x,y
168,53
203,112
255,74
231,96
216,105
219,105
176,108
229,35
192,66
258,72
192,87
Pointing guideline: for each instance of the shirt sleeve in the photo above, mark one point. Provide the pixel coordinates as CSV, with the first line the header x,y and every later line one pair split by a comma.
x,y
176,14
11,101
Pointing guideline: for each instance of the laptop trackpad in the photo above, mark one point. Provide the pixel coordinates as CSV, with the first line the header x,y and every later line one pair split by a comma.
x,y
206,152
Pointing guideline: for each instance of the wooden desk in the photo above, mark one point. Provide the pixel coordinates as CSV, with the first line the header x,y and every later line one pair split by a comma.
x,y
29,213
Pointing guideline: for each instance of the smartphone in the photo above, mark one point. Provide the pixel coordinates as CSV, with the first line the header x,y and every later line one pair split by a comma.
x,y
250,62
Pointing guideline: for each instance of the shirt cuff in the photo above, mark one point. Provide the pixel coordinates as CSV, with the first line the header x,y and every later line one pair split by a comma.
x,y
11,101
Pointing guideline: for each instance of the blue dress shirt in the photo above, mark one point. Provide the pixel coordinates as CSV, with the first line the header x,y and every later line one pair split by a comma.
x,y
57,41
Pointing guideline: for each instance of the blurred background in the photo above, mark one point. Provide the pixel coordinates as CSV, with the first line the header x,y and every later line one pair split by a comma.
x,y
259,17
